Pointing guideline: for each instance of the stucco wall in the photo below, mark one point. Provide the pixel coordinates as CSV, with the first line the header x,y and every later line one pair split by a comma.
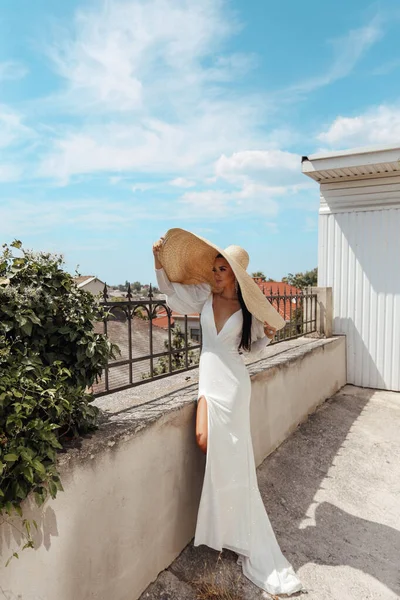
x,y
132,489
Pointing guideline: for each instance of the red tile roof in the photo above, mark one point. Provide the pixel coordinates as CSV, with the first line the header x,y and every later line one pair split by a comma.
x,y
280,288
162,322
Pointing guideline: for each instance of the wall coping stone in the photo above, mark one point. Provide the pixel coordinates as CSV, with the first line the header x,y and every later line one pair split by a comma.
x,y
129,412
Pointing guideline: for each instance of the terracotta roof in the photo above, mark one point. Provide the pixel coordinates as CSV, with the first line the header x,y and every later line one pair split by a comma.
x,y
162,322
277,287
285,307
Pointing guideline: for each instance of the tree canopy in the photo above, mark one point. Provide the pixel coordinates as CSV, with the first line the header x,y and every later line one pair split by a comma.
x,y
302,280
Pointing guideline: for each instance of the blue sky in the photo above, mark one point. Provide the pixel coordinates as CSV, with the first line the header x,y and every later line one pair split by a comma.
x,y
121,119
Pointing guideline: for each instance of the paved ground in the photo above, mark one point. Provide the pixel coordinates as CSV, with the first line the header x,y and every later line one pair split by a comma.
x,y
332,492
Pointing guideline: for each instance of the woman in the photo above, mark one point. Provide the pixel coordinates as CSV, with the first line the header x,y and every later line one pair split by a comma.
x,y
199,277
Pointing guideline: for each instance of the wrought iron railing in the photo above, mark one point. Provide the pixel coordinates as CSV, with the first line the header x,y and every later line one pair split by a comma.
x,y
149,352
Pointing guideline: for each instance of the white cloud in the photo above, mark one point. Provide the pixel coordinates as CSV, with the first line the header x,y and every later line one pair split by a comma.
x,y
121,51
257,181
144,84
348,51
12,128
265,164
9,173
229,68
12,70
387,67
250,199
20,216
213,203
182,182
143,187
158,68
151,145
377,126
271,227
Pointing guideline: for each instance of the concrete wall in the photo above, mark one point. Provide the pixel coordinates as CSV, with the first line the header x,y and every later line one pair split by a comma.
x,y
132,490
286,392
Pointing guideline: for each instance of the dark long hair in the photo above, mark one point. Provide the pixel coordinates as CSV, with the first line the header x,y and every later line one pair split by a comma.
x,y
245,341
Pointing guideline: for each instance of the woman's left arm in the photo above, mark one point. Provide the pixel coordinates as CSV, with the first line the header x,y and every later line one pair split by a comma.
x,y
259,339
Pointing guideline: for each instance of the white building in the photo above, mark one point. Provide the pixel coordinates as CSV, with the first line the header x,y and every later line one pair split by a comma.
x,y
359,257
193,325
90,283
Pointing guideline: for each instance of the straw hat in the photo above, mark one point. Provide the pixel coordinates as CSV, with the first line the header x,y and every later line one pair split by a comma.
x,y
189,258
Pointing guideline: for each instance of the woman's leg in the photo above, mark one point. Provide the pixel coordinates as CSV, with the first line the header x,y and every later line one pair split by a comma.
x,y
202,424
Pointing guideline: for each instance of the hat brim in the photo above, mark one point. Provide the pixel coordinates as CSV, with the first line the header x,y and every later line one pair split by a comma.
x,y
189,258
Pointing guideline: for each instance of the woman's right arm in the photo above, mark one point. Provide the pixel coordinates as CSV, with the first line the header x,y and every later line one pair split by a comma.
x,y
183,298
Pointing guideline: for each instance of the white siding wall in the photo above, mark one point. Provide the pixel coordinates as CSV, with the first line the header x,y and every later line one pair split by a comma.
x,y
359,257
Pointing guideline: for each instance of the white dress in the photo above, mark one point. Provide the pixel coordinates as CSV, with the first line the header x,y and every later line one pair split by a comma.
x,y
231,512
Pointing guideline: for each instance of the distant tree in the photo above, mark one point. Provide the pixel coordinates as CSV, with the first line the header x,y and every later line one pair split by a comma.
x,y
302,280
259,275
136,288
124,287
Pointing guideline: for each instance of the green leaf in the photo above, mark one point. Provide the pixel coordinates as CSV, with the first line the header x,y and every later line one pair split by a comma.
x,y
15,554
38,466
40,497
28,544
10,457
27,526
52,489
59,485
20,491
27,328
34,319
28,472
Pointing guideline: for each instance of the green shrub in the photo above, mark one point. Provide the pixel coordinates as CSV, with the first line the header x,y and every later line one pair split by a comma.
x,y
49,357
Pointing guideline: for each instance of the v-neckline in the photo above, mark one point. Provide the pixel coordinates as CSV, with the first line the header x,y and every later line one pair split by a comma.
x,y
213,315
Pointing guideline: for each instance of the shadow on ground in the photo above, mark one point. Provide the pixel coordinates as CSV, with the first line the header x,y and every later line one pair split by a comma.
x,y
332,493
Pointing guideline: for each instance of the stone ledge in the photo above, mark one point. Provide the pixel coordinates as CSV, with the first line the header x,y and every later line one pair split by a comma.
x,y
125,414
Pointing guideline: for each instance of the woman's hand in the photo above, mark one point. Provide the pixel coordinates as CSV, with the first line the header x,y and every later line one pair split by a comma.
x,y
157,246
269,330
156,249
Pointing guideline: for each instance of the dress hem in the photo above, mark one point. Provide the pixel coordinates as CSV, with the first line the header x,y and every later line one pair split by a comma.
x,y
244,554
